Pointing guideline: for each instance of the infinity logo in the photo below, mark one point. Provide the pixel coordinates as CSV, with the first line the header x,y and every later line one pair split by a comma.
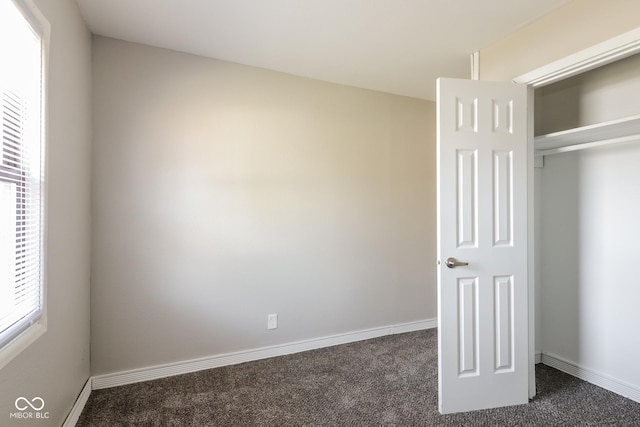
x,y
33,403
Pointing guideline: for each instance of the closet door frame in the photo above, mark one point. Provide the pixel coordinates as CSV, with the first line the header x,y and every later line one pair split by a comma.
x,y
612,50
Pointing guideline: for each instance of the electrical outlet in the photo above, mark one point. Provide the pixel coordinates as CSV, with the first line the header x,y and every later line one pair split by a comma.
x,y
272,321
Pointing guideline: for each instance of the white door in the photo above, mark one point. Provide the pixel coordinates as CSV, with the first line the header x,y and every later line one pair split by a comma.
x,y
483,356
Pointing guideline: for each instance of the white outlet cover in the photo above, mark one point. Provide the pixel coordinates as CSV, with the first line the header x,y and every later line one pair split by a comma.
x,y
272,321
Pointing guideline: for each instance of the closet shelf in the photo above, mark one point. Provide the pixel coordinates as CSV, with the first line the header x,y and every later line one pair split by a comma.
x,y
614,131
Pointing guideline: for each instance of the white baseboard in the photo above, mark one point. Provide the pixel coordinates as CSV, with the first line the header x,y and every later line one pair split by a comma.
x,y
161,371
597,378
78,406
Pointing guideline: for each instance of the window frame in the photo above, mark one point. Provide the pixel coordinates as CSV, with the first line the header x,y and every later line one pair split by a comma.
x,y
40,25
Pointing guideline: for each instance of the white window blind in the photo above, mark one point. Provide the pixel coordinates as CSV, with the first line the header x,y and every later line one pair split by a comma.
x,y
21,174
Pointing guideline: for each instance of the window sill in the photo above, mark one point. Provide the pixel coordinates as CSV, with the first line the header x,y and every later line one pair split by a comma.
x,y
21,342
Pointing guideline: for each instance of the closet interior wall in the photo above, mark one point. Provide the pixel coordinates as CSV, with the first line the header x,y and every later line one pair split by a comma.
x,y
588,228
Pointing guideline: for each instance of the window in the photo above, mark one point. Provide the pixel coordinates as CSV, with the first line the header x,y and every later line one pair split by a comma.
x,y
21,179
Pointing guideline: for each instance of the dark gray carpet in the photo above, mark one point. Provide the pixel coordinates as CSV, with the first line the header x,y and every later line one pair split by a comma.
x,y
390,381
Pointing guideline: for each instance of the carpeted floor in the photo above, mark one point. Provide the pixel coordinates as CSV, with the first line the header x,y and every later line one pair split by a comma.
x,y
389,381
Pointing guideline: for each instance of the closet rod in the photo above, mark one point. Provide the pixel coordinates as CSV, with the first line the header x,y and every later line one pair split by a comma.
x,y
585,145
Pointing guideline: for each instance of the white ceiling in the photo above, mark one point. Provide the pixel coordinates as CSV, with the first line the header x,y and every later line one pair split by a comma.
x,y
395,46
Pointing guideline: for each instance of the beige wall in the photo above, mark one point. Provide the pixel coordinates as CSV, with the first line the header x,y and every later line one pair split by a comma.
x,y
576,26
56,366
223,193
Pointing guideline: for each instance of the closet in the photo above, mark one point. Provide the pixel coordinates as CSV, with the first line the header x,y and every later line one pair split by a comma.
x,y
587,202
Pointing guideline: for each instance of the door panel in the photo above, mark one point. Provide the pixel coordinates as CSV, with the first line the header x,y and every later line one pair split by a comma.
x,y
466,188
502,192
482,220
467,326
